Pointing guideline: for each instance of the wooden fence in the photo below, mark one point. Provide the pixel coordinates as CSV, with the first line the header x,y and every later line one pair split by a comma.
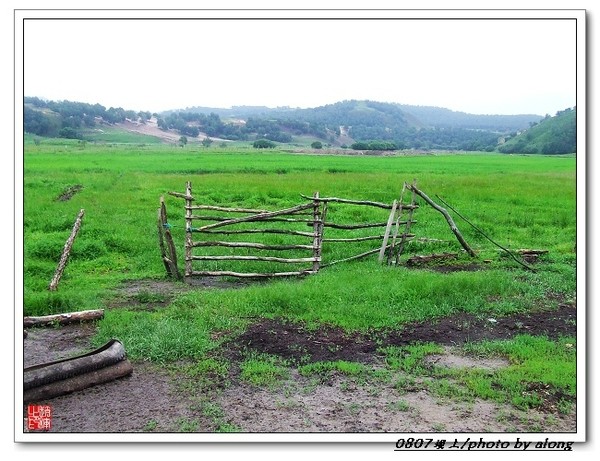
x,y
302,229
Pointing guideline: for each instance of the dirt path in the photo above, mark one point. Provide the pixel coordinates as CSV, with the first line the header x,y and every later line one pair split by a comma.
x,y
163,400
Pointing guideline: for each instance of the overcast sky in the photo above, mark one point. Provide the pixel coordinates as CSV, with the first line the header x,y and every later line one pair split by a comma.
x,y
490,66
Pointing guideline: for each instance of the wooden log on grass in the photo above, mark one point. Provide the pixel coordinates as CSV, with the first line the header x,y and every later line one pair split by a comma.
x,y
65,254
63,319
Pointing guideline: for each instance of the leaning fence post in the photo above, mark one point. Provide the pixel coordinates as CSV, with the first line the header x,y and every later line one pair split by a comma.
x,y
65,255
388,227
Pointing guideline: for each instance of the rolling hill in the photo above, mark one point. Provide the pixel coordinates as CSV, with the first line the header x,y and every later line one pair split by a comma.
x,y
358,123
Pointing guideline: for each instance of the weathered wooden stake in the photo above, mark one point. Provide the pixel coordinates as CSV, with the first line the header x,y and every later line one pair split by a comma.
x,y
65,255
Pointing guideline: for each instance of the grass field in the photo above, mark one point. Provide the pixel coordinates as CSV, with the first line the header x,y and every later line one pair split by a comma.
x,y
518,201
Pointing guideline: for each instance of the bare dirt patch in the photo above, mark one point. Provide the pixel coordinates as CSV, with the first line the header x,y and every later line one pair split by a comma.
x,y
163,399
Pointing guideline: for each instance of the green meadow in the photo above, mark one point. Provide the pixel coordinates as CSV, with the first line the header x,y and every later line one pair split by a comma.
x,y
517,201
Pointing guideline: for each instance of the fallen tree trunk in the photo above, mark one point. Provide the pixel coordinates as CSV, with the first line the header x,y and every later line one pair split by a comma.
x,y
63,319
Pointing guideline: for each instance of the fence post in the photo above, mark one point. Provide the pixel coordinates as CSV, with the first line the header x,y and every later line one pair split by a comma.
x,y
318,231
188,229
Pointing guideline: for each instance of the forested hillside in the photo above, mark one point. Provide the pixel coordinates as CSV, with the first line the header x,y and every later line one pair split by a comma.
x,y
553,135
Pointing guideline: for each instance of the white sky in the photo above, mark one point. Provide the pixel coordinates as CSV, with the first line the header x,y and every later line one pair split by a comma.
x,y
493,66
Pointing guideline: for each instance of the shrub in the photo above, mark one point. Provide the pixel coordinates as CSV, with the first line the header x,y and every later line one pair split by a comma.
x,y
263,144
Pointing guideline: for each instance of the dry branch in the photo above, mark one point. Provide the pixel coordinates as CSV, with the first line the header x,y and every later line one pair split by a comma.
x,y
63,319
65,255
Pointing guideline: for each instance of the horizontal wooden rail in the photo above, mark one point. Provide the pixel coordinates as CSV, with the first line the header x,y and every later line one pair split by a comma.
x,y
258,217
257,231
259,246
360,226
255,258
223,219
221,208
251,275
351,258
353,202
180,195
361,239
